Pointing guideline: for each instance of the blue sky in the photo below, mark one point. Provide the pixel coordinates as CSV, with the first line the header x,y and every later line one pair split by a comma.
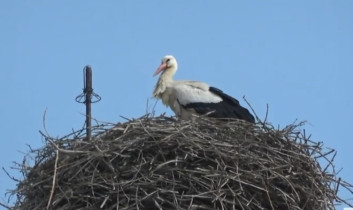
x,y
296,56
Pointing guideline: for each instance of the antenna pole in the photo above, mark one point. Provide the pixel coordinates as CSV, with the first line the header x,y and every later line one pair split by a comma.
x,y
86,98
89,90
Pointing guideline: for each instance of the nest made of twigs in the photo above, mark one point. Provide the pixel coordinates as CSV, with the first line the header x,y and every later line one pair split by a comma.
x,y
162,163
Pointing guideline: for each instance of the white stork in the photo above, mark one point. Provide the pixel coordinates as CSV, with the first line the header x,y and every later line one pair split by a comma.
x,y
187,98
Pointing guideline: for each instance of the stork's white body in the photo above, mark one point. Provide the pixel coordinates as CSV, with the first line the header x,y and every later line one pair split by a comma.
x,y
189,98
178,94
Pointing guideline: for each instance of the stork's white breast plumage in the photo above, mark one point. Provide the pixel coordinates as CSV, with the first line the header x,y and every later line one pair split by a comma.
x,y
188,98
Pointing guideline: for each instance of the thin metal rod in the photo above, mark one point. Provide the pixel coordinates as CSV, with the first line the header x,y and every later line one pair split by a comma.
x,y
88,90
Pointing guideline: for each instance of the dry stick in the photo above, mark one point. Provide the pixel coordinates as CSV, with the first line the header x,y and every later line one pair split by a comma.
x,y
5,206
153,110
11,177
45,128
330,162
338,184
54,179
47,137
252,109
267,108
147,106
105,201
62,150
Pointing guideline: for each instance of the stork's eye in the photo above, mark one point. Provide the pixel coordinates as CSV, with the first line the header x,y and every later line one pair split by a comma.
x,y
168,59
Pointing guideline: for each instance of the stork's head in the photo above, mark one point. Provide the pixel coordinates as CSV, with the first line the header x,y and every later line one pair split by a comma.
x,y
169,63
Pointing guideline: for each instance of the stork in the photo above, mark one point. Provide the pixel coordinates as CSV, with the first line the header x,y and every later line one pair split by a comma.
x,y
189,98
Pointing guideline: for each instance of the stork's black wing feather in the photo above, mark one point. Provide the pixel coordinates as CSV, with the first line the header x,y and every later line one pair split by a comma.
x,y
229,107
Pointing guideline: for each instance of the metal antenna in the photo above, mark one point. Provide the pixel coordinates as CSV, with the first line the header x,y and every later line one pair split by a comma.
x,y
86,98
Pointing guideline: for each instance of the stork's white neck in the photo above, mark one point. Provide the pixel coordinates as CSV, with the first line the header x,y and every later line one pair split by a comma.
x,y
164,80
168,74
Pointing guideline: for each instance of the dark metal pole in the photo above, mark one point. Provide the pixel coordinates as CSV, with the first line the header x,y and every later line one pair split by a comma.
x,y
88,90
88,97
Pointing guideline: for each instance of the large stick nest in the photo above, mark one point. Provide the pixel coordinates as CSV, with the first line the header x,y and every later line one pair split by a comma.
x,y
161,163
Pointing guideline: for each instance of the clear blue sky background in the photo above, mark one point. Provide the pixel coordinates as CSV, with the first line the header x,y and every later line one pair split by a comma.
x,y
295,56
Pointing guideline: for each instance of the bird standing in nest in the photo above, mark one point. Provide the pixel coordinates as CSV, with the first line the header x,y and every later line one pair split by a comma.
x,y
189,98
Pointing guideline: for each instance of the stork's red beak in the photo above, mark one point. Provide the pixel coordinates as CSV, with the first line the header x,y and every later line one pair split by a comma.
x,y
161,68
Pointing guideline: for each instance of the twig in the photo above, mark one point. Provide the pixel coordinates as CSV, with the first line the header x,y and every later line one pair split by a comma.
x,y
61,150
267,108
44,126
54,180
5,206
253,111
11,177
